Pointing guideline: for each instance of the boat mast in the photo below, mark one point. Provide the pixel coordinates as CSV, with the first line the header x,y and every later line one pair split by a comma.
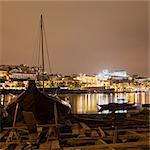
x,y
42,51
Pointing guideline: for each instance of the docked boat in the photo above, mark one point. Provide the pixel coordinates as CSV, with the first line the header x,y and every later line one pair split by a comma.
x,y
44,107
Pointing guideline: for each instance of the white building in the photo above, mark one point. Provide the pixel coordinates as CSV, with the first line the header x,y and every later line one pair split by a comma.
x,y
116,74
22,76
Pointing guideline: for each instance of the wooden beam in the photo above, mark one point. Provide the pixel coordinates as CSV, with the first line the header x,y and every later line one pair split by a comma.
x,y
15,115
94,133
85,130
128,136
84,126
139,120
55,114
101,132
115,135
138,134
103,142
129,129
116,145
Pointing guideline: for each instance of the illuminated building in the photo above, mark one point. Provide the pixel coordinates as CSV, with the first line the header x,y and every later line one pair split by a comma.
x,y
105,74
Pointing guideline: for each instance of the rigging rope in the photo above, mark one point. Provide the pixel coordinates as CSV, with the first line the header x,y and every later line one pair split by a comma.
x,y
36,58
46,45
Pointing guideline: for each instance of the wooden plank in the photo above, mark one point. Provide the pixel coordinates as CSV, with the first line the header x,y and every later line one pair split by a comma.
x,y
101,132
115,135
75,128
15,115
116,145
85,129
55,114
138,134
55,145
133,129
83,138
46,145
84,126
30,121
94,133
139,120
100,141
81,141
128,136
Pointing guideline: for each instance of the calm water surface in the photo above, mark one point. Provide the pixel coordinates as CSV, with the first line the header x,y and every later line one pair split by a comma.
x,y
87,103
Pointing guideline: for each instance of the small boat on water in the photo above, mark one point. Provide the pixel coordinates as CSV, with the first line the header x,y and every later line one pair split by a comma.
x,y
116,106
146,105
42,106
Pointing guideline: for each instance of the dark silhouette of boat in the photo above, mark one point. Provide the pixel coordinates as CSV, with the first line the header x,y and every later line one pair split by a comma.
x,y
116,106
46,109
146,105
42,106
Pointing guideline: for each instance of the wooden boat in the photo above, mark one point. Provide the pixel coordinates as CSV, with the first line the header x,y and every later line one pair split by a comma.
x,y
42,106
46,109
116,106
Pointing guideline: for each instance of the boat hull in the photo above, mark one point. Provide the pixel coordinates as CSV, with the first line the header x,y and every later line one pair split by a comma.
x,y
40,104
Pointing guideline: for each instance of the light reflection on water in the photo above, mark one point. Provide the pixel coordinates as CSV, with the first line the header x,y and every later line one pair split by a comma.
x,y
87,103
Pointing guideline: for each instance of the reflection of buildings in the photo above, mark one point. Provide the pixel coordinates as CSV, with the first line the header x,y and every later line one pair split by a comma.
x,y
5,99
87,103
143,98
130,97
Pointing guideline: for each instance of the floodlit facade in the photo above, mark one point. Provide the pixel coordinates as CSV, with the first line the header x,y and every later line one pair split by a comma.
x,y
105,74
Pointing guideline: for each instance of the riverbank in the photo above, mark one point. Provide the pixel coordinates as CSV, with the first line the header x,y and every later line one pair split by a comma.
x,y
67,91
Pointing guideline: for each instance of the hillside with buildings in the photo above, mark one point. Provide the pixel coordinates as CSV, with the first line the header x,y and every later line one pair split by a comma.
x,y
15,76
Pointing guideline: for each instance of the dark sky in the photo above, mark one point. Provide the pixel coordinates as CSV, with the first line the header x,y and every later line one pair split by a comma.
x,y
82,37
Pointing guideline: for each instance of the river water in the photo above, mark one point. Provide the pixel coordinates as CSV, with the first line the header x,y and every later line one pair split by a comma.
x,y
87,103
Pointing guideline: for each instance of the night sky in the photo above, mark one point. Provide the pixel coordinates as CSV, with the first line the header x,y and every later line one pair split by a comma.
x,y
83,37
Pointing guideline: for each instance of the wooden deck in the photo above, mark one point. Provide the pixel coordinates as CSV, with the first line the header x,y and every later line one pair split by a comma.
x,y
85,132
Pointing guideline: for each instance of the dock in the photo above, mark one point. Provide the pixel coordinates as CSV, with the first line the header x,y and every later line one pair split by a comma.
x,y
84,132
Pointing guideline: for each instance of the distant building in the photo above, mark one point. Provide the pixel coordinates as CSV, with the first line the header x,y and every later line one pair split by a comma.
x,y
120,74
89,80
3,76
22,76
15,70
